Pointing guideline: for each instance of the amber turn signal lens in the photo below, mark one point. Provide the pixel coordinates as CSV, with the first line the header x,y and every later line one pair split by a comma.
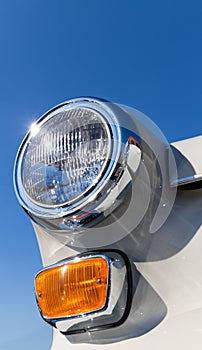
x,y
73,288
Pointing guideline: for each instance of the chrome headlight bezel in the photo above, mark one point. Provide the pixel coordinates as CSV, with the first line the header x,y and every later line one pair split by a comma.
x,y
111,186
60,210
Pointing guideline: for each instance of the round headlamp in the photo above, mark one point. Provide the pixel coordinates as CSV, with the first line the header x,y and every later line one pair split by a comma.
x,y
67,157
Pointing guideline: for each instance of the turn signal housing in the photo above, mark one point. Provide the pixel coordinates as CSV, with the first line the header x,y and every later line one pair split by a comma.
x,y
85,293
73,288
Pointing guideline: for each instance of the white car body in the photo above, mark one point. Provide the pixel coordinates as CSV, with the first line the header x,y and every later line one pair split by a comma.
x,y
174,280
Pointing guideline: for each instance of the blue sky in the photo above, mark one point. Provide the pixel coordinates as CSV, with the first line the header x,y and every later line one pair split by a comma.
x,y
145,54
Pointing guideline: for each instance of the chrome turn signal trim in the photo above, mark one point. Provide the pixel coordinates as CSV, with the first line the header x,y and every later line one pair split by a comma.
x,y
117,289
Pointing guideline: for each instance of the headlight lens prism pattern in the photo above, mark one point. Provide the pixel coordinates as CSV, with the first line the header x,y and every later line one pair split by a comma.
x,y
66,157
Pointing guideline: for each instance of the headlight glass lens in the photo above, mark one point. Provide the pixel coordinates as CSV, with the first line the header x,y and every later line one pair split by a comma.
x,y
66,157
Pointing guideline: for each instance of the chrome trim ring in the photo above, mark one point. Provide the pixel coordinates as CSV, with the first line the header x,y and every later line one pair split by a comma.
x,y
60,210
119,277
121,164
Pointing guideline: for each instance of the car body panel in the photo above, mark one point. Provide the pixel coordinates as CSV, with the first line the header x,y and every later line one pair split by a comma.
x,y
167,304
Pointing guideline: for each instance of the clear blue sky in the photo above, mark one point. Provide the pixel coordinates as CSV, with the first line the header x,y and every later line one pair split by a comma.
x,y
145,54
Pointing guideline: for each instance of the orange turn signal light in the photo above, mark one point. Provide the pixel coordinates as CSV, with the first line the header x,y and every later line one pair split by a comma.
x,y
74,288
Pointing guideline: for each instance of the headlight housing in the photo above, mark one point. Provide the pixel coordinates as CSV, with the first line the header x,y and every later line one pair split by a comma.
x,y
71,161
